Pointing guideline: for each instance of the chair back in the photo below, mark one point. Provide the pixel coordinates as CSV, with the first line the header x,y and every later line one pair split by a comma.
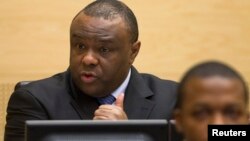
x,y
20,84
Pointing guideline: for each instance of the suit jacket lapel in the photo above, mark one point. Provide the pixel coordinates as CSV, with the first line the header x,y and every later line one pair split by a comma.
x,y
136,104
84,105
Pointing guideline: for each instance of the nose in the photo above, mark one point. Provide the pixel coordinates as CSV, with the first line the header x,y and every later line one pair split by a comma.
x,y
89,59
218,119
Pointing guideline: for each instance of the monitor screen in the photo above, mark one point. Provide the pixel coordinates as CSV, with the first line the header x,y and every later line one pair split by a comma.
x,y
96,130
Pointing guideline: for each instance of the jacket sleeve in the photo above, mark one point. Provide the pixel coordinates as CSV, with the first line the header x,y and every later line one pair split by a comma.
x,y
22,106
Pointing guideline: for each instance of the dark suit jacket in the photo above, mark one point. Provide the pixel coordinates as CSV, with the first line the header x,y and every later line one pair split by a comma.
x,y
146,97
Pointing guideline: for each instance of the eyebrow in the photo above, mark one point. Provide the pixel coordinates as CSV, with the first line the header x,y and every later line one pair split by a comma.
x,y
77,35
234,104
106,39
200,105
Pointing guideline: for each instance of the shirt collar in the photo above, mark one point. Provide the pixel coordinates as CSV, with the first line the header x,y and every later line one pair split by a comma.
x,y
123,86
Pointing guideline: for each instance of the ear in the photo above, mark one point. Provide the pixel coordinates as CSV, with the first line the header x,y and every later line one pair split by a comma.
x,y
134,51
178,120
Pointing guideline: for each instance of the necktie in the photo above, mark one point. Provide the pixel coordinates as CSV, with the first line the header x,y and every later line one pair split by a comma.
x,y
107,100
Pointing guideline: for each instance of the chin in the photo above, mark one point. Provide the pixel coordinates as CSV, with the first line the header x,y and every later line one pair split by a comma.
x,y
92,92
89,92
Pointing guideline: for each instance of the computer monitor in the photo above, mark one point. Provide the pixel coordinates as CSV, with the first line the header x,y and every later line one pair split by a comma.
x,y
96,130
173,134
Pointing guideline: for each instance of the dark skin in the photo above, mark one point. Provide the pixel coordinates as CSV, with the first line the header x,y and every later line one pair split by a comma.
x,y
211,100
101,55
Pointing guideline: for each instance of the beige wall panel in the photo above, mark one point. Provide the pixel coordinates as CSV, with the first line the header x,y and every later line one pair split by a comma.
x,y
34,39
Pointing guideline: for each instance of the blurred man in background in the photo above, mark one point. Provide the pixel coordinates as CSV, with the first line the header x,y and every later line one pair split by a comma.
x,y
210,93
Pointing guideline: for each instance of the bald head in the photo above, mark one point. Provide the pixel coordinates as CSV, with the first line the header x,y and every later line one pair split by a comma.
x,y
207,70
111,9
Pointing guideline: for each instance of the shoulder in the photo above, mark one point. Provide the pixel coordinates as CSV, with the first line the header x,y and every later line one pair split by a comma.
x,y
53,85
152,81
156,83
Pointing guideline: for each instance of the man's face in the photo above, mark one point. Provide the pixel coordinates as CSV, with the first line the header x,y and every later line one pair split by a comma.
x,y
101,54
211,100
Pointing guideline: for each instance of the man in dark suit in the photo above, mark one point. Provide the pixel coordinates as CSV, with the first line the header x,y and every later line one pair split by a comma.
x,y
104,43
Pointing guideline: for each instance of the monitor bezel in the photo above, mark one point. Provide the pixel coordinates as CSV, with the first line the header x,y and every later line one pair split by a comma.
x,y
155,129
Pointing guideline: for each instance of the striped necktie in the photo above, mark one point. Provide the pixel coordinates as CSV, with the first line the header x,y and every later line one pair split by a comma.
x,y
107,100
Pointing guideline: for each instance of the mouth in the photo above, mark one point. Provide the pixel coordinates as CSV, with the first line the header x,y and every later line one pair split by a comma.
x,y
88,78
